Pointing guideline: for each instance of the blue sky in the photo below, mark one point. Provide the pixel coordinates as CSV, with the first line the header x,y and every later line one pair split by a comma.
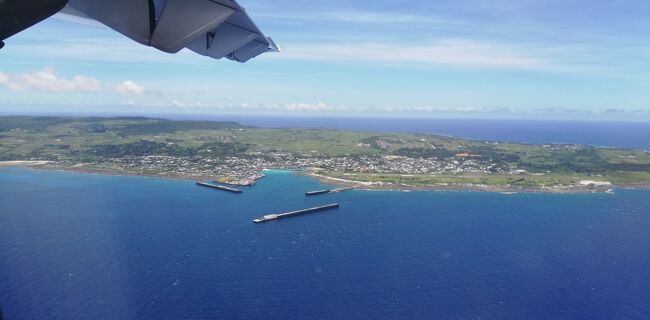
x,y
568,59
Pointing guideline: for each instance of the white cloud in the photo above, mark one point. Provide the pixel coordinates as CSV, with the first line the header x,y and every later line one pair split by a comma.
x,y
325,108
320,106
48,80
181,104
379,18
188,104
104,47
77,19
178,103
441,110
129,87
293,106
456,53
359,17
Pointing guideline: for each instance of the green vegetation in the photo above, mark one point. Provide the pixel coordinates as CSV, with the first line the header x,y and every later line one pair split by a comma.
x,y
101,140
520,180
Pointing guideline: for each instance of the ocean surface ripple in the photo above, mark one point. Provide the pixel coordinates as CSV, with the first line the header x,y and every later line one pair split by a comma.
x,y
86,246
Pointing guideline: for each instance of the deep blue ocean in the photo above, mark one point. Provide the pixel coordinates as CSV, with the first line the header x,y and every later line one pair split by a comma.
x,y
620,134
86,246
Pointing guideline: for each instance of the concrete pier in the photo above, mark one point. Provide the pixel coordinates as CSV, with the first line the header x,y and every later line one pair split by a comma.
x,y
218,187
270,217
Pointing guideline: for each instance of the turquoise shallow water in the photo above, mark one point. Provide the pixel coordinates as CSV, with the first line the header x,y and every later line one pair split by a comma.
x,y
84,246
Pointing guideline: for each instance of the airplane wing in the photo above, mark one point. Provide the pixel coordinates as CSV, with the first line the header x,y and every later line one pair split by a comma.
x,y
213,28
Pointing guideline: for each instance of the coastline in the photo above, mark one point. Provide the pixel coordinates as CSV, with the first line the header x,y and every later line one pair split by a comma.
x,y
378,186
78,168
19,163
334,181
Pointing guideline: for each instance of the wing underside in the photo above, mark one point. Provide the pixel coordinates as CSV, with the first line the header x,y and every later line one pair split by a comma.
x,y
213,28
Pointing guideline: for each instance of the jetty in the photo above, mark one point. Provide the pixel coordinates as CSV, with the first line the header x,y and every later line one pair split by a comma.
x,y
270,217
319,192
218,187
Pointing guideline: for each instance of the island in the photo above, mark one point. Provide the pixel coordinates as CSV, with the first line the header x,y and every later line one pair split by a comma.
x,y
231,153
